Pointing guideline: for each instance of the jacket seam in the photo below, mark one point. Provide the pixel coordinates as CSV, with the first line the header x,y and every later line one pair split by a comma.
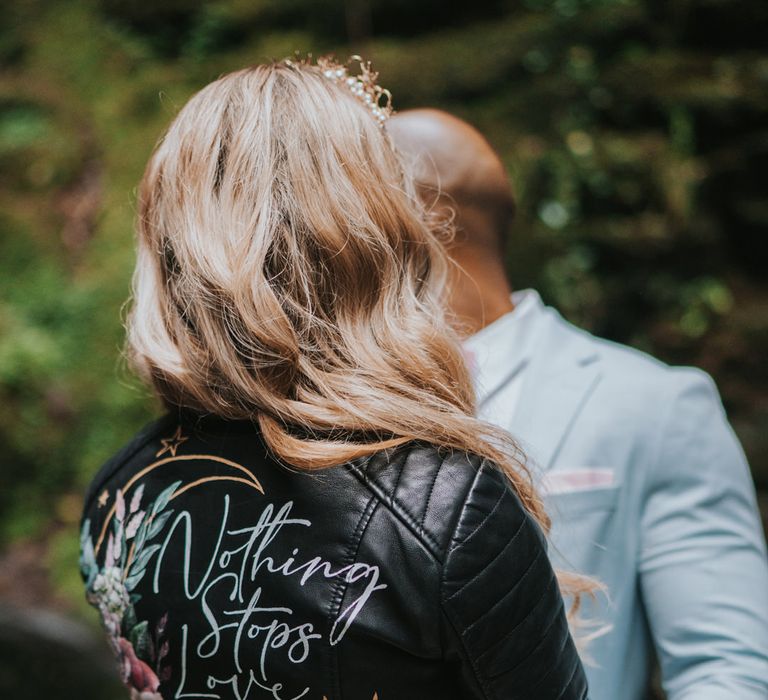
x,y
551,669
395,507
533,607
454,543
452,546
512,590
473,663
570,682
454,623
399,475
457,544
431,491
541,641
509,543
340,590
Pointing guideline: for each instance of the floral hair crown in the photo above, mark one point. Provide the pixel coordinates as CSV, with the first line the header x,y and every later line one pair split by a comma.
x,y
363,85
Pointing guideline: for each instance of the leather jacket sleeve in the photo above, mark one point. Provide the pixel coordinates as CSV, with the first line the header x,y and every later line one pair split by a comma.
x,y
496,569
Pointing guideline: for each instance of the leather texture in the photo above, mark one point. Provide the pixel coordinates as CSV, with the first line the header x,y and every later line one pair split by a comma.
x,y
414,574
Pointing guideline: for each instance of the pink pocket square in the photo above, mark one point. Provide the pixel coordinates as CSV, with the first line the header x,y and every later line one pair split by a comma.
x,y
576,479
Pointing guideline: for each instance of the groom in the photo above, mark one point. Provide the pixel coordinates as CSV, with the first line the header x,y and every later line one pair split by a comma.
x,y
647,487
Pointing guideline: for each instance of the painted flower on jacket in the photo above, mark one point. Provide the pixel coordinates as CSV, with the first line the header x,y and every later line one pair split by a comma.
x,y
136,674
140,652
136,695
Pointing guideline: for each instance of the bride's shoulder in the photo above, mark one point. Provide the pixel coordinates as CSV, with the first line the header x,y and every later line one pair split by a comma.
x,y
439,495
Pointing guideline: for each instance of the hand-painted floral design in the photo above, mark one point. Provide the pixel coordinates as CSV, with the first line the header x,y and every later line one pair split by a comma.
x,y
110,586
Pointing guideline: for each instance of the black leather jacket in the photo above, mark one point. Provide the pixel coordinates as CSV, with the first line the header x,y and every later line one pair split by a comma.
x,y
413,575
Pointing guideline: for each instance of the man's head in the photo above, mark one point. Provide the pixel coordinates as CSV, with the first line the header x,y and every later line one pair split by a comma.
x,y
456,169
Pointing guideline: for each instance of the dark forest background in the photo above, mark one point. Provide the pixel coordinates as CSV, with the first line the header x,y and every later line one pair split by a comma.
x,y
635,133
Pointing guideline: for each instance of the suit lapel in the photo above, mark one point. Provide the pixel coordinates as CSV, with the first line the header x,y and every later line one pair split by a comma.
x,y
563,373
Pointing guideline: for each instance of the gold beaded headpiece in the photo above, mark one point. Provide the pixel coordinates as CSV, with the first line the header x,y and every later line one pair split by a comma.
x,y
363,86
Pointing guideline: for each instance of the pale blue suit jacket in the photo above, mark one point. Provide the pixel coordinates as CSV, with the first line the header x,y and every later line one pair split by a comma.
x,y
673,532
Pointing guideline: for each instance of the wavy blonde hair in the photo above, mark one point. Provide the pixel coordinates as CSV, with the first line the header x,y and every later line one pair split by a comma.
x,y
287,273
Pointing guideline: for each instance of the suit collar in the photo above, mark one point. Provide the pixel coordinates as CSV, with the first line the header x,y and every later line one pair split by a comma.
x,y
564,370
501,350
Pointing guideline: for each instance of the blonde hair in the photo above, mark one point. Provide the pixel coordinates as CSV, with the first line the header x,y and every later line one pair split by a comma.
x,y
287,273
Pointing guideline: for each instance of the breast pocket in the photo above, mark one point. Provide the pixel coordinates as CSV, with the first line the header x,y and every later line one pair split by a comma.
x,y
573,492
580,503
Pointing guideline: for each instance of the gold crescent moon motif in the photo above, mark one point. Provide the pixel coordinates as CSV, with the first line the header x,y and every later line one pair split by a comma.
x,y
251,481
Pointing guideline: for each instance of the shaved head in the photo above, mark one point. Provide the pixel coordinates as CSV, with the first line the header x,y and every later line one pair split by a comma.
x,y
455,167
460,175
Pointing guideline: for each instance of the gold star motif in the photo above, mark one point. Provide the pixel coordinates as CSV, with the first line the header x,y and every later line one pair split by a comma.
x,y
103,498
172,443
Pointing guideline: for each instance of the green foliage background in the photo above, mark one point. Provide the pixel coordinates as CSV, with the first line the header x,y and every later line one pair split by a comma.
x,y
635,132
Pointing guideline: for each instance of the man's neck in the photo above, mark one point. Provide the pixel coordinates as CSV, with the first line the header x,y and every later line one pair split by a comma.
x,y
479,293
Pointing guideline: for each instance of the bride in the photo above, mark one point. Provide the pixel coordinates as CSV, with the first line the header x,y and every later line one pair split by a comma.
x,y
319,513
